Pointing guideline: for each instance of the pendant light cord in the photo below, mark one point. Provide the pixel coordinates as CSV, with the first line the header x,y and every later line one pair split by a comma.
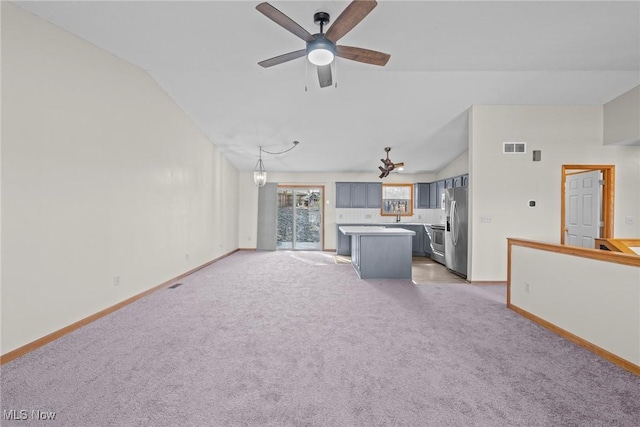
x,y
295,144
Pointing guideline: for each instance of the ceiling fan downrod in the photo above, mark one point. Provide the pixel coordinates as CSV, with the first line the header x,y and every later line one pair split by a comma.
x,y
321,18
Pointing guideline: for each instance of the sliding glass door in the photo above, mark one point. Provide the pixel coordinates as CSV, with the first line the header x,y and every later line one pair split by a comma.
x,y
299,224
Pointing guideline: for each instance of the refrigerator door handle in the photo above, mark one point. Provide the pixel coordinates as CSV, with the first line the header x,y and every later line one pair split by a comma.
x,y
454,226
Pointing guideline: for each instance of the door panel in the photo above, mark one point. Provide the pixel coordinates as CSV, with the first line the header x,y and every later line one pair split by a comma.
x,y
583,209
300,219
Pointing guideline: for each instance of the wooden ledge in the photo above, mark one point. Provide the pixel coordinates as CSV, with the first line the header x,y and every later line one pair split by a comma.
x,y
597,254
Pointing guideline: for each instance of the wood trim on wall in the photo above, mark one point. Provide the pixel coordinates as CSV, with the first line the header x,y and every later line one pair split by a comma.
x,y
608,195
606,256
21,351
486,282
617,360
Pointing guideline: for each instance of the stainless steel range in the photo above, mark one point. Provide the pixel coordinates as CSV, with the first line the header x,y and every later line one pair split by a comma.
x,y
436,234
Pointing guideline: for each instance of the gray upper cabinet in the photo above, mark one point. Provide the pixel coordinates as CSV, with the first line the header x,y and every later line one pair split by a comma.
x,y
374,195
433,195
343,194
358,195
448,183
461,181
423,201
440,185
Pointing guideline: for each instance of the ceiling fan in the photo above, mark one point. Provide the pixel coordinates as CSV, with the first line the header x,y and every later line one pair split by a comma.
x,y
321,47
388,165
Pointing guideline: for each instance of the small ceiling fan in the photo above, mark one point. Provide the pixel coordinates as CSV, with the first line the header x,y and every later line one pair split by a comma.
x,y
321,47
388,165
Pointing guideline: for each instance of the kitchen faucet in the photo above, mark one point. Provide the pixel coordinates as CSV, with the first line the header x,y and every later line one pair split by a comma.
x,y
398,218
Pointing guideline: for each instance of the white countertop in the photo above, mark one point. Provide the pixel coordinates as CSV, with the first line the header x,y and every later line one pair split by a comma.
x,y
379,224
375,230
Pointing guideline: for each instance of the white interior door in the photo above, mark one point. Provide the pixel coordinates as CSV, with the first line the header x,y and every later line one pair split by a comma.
x,y
583,208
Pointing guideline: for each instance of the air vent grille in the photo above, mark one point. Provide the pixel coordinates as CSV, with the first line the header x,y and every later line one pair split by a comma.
x,y
514,147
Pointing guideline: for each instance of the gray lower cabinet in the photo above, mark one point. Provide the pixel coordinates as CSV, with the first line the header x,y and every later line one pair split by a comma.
x,y
343,243
426,242
418,247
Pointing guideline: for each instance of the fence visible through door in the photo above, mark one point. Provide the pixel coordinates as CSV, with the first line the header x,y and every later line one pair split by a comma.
x,y
300,222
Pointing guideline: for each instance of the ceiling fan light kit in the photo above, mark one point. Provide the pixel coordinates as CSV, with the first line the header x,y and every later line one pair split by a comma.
x,y
321,51
321,48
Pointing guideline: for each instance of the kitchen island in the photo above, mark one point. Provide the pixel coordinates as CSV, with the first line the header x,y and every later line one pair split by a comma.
x,y
380,253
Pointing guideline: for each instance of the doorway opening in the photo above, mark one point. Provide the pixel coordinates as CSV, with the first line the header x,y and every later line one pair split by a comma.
x,y
300,218
604,207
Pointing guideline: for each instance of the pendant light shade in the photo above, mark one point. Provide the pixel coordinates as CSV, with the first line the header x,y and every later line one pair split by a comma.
x,y
259,172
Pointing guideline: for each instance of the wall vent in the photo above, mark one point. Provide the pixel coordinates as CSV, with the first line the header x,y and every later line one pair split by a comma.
x,y
514,147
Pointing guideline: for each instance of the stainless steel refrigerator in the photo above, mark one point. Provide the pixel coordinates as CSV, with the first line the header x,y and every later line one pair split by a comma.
x,y
456,229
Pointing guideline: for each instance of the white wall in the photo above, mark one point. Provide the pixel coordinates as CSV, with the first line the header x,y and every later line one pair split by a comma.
x,y
459,166
501,185
622,118
578,295
249,198
102,175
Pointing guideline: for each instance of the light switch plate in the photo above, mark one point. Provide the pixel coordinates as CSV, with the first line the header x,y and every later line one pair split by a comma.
x,y
485,219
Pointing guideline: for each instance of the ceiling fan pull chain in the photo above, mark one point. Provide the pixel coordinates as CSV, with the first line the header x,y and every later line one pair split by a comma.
x,y
335,73
306,75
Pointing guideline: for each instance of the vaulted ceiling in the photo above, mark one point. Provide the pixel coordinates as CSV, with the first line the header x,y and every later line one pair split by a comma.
x,y
445,57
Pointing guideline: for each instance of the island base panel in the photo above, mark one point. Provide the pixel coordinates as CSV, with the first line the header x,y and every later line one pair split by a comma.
x,y
382,257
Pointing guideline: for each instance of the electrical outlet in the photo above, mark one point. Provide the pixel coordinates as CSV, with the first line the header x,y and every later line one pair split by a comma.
x,y
629,220
116,280
186,256
527,287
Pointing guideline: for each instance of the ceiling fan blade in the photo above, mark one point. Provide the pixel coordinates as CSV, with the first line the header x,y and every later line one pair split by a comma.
x,y
324,75
349,18
283,58
398,165
284,21
363,55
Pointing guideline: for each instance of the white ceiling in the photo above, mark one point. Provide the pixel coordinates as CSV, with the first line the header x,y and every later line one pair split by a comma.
x,y
445,57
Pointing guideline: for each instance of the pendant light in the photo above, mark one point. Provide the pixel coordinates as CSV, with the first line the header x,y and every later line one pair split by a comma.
x,y
259,172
